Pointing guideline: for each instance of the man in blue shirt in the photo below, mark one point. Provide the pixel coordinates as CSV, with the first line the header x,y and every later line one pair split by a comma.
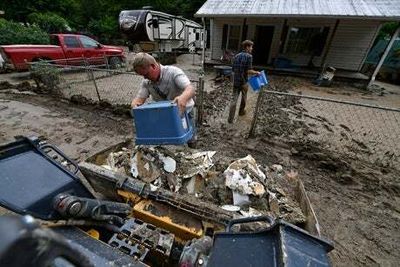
x,y
242,67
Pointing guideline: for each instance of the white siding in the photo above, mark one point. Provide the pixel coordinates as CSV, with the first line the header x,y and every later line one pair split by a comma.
x,y
216,37
217,28
351,43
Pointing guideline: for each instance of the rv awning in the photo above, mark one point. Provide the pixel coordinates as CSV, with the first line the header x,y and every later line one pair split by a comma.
x,y
359,9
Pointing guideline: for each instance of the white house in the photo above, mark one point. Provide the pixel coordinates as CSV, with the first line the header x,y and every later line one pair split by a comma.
x,y
304,32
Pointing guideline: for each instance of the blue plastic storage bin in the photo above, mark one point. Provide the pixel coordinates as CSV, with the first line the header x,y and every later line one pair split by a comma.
x,y
160,123
257,81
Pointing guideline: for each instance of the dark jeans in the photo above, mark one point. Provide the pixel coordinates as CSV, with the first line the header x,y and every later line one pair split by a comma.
x,y
235,95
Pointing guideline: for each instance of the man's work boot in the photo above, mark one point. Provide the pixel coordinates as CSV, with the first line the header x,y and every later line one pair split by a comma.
x,y
192,143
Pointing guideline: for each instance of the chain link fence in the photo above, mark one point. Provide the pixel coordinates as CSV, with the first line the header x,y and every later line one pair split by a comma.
x,y
93,83
353,130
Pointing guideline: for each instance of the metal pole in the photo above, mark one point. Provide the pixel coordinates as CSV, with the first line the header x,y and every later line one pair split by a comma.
x,y
203,45
255,116
86,64
199,120
95,85
90,71
388,47
106,62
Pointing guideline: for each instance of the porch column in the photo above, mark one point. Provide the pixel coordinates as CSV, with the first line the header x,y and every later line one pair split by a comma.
x,y
283,36
380,63
329,44
244,30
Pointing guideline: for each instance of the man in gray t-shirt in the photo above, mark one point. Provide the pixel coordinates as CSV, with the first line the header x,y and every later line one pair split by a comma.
x,y
163,83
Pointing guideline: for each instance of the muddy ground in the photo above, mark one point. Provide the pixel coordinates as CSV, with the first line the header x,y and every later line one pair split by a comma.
x,y
357,203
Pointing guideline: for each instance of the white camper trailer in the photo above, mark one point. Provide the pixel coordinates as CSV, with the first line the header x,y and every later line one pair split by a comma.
x,y
169,31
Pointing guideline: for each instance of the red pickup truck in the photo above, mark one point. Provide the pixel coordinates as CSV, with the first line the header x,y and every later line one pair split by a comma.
x,y
65,49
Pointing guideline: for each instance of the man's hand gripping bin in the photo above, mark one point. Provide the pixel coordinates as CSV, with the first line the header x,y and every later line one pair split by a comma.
x,y
160,123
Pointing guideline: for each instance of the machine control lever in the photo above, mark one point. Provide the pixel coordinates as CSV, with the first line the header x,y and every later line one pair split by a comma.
x,y
70,206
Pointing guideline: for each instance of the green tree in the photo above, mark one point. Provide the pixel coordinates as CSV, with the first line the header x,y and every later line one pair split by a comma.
x,y
19,10
387,30
49,22
106,28
98,17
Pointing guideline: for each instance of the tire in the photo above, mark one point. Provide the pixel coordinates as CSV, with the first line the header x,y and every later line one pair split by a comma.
x,y
115,62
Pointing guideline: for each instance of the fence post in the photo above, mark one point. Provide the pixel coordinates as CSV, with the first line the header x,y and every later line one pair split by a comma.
x,y
107,65
255,115
199,120
92,77
86,64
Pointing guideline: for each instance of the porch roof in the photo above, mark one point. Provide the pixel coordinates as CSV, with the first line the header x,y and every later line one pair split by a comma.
x,y
357,9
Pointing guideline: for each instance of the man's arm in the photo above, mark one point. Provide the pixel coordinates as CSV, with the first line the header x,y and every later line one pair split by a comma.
x,y
252,72
141,96
137,101
183,98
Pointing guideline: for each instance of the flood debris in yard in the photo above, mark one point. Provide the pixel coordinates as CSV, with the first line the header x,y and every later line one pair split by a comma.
x,y
118,161
241,185
245,177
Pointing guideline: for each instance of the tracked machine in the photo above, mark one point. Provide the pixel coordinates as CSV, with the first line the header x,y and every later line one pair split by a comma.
x,y
117,220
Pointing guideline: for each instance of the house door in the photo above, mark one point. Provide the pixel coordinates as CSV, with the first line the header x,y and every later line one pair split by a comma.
x,y
262,44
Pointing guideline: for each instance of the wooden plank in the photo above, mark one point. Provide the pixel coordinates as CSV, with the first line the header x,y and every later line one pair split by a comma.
x,y
255,115
311,225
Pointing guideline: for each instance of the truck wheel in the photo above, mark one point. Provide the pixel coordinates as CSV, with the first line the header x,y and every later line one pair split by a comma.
x,y
114,62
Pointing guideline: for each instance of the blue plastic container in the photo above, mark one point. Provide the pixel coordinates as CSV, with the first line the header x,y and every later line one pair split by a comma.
x,y
160,123
257,81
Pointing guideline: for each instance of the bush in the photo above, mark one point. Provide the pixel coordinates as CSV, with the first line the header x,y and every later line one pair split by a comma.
x,y
46,77
16,33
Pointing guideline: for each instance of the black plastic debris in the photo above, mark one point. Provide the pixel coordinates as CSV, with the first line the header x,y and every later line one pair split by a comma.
x,y
281,244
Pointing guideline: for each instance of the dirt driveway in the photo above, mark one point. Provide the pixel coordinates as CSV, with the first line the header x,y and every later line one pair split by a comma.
x,y
357,204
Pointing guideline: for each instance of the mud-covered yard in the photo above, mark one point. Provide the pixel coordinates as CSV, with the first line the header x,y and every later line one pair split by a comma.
x,y
357,203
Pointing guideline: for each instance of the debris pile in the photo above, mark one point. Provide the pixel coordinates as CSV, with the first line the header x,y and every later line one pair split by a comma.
x,y
243,186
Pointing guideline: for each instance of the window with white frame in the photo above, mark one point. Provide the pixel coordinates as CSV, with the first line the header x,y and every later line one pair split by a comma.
x,y
231,37
306,40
